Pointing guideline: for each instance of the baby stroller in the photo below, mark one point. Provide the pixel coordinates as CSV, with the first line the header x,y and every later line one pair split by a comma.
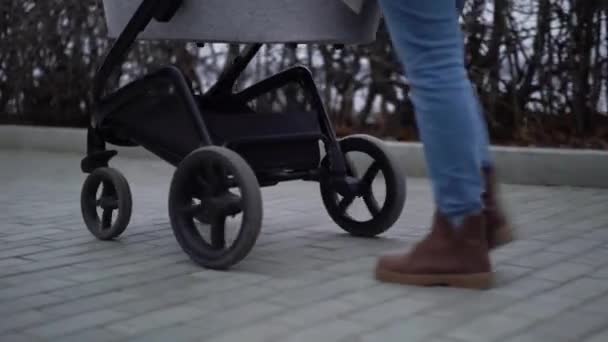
x,y
223,150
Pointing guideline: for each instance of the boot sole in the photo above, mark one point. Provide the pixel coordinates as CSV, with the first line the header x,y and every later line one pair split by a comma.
x,y
478,281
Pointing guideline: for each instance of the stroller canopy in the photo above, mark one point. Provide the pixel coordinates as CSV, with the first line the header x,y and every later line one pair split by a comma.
x,y
259,21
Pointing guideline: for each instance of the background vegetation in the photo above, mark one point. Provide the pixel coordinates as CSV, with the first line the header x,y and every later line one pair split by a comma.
x,y
541,68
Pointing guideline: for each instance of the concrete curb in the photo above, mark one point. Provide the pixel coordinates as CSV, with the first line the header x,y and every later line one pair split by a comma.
x,y
55,139
525,166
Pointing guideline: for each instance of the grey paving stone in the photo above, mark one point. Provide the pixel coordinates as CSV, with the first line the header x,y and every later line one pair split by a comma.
x,y
11,307
341,255
74,324
33,288
22,320
556,235
539,307
597,257
388,312
334,244
136,267
352,266
302,279
441,297
581,288
50,264
316,292
86,304
94,335
564,271
258,332
34,277
216,323
373,295
490,328
5,263
601,336
175,333
517,249
440,339
538,260
86,241
601,273
316,313
584,218
156,319
130,255
271,268
336,330
102,286
22,251
242,278
144,305
18,337
597,305
188,286
525,287
505,273
573,325
31,235
599,232
415,328
54,252
473,305
574,246
233,298
532,336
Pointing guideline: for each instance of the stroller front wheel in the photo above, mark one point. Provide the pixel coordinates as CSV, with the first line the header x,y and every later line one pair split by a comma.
x,y
114,202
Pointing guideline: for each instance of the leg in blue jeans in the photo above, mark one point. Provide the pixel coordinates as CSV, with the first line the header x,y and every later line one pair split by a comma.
x,y
427,38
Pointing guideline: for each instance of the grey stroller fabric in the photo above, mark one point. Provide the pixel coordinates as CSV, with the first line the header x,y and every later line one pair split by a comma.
x,y
258,21
355,5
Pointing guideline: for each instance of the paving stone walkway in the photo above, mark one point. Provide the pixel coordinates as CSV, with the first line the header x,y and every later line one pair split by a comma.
x,y
304,281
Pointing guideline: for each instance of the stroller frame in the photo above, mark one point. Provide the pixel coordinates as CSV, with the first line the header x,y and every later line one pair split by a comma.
x,y
97,156
335,175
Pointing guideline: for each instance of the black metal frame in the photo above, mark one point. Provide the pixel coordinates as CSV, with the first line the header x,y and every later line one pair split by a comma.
x,y
221,92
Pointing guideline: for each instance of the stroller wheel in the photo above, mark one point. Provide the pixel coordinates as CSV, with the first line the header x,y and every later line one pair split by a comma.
x,y
215,207
378,168
107,212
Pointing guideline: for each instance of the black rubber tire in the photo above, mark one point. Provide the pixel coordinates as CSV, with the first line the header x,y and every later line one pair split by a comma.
x,y
114,182
395,188
184,229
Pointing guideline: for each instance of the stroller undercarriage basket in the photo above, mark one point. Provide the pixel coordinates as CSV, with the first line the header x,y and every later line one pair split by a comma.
x,y
267,141
223,150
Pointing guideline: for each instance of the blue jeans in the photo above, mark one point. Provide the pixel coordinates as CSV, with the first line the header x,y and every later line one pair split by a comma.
x,y
428,40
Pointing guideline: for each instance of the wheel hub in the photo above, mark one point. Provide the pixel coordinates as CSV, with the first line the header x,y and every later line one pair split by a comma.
x,y
226,204
347,186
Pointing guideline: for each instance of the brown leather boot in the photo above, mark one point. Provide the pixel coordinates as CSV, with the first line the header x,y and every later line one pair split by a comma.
x,y
446,257
498,231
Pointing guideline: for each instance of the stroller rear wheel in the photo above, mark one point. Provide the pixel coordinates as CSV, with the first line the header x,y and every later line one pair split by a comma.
x,y
379,216
114,201
211,187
